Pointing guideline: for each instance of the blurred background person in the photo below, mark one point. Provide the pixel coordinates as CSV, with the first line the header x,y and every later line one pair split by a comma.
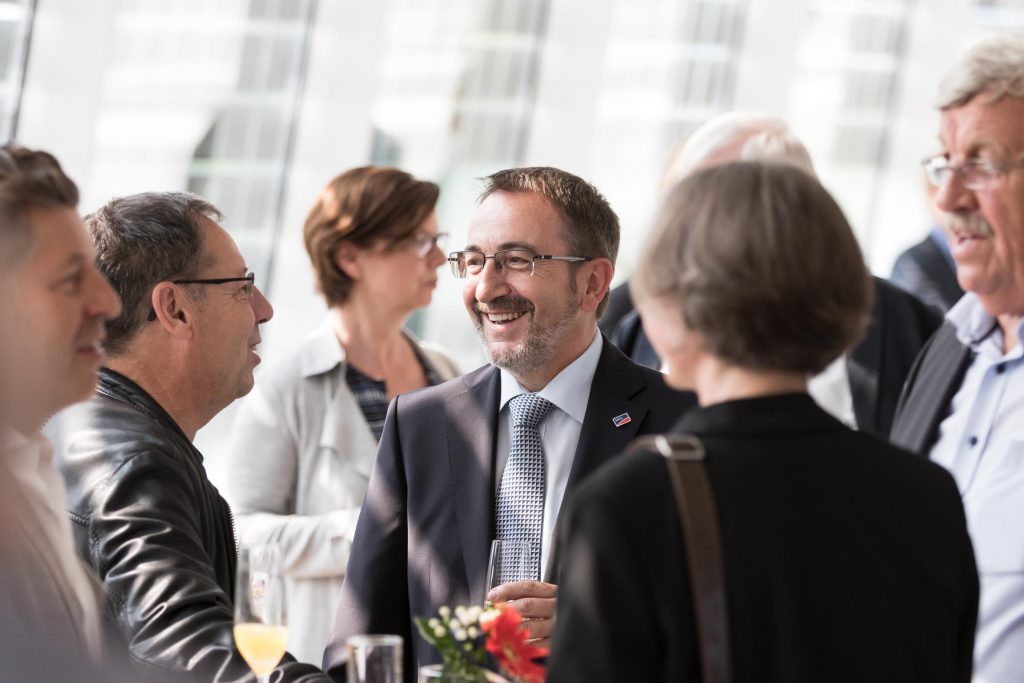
x,y
53,303
927,269
861,387
305,440
845,558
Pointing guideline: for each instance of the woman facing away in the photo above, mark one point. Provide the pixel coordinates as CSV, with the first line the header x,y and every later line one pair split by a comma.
x,y
845,558
306,437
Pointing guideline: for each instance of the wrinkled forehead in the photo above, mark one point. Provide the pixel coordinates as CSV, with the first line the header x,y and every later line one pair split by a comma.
x,y
219,248
505,220
980,126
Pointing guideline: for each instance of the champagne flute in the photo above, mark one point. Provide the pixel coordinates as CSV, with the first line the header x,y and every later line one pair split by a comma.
x,y
261,619
510,561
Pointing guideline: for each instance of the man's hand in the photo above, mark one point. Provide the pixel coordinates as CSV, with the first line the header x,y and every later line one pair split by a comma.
x,y
535,602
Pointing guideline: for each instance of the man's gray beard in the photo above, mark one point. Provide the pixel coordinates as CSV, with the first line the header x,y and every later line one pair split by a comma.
x,y
526,357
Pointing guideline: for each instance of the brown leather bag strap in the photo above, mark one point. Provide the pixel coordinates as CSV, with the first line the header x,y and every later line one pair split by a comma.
x,y
684,456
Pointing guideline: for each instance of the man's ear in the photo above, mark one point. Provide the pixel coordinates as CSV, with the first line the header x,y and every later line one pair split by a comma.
x,y
174,311
598,274
346,256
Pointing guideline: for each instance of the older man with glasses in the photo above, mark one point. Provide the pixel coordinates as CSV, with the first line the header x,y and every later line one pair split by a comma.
x,y
489,455
963,405
145,517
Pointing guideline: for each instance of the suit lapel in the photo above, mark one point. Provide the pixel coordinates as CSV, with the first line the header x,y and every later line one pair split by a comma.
x,y
927,396
859,367
616,380
470,429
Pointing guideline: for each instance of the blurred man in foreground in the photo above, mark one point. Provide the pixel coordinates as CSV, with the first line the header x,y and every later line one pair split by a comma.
x,y
53,303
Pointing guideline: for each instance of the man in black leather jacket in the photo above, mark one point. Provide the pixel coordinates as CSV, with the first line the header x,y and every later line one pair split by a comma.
x,y
145,516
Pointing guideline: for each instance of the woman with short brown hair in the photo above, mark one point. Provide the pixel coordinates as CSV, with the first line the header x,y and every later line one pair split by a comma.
x,y
845,559
305,439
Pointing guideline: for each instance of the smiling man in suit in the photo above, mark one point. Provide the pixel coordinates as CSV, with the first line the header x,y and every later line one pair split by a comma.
x,y
458,465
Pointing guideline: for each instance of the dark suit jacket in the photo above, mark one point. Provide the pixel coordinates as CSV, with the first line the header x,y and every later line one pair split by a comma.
x,y
877,366
929,391
927,271
425,529
846,559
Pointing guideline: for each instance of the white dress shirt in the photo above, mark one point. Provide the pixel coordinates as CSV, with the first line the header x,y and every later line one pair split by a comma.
x,y
830,389
46,575
981,443
569,393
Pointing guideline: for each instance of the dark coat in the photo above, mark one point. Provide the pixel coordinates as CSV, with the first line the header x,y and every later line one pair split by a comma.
x,y
929,391
846,559
927,271
156,532
426,526
877,366
620,302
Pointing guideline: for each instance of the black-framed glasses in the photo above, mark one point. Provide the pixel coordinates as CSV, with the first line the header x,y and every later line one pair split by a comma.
x,y
519,260
976,174
249,287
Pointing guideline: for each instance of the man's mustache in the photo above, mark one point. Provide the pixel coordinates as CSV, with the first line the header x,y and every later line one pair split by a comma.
x,y
504,304
968,224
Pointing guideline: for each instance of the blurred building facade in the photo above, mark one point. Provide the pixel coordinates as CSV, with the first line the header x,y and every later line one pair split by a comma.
x,y
255,104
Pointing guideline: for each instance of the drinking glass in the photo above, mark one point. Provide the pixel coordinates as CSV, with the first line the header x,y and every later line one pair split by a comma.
x,y
261,617
510,561
374,659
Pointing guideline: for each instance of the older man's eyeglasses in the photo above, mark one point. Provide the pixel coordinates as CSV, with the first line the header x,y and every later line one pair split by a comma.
x,y
975,174
249,287
523,261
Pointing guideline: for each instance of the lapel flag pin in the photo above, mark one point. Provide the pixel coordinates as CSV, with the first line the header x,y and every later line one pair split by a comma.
x,y
621,420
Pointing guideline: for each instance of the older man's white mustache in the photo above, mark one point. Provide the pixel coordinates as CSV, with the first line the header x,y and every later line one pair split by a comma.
x,y
968,225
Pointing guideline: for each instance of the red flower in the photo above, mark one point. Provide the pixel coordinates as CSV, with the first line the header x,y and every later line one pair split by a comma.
x,y
506,640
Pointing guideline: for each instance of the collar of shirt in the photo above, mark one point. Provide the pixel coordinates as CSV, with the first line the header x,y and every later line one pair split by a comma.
x,y
321,351
560,431
50,556
569,390
978,329
25,456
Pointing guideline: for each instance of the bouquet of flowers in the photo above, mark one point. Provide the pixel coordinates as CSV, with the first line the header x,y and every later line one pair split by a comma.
x,y
474,640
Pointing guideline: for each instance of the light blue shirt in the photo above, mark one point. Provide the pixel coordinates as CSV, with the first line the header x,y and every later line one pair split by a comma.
x,y
569,392
981,443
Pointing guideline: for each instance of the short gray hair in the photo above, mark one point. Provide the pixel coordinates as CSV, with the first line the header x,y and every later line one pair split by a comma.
x,y
142,240
993,64
766,138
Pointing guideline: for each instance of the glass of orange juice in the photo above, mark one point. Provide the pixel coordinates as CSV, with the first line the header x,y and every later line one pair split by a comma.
x,y
261,615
